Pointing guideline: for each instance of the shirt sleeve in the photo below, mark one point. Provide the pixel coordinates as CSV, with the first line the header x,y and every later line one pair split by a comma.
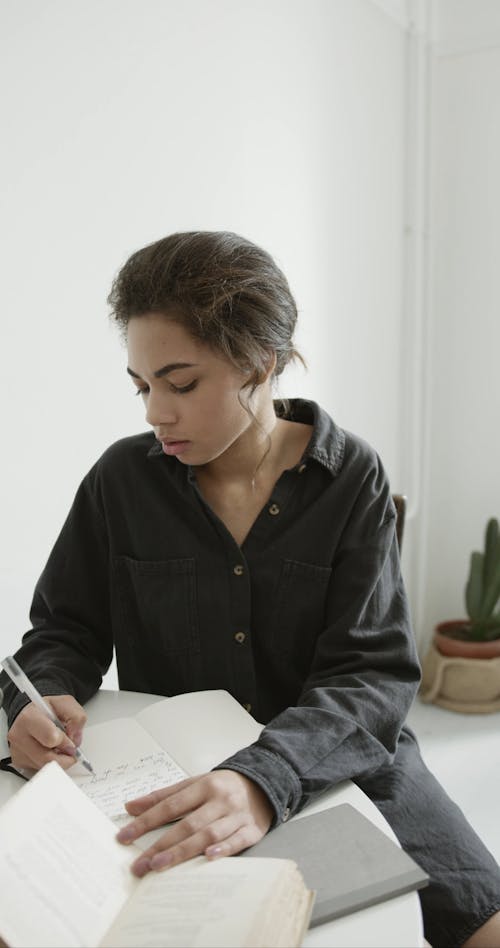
x,y
69,646
363,676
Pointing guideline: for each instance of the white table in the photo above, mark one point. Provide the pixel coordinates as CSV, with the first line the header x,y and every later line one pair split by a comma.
x,y
393,924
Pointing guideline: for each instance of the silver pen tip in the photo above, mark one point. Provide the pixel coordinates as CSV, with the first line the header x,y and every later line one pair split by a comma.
x,y
80,757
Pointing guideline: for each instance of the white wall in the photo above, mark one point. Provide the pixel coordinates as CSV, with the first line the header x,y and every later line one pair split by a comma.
x,y
464,399
125,120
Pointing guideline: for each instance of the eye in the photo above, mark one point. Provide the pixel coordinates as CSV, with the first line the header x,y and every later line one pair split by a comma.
x,y
175,389
184,388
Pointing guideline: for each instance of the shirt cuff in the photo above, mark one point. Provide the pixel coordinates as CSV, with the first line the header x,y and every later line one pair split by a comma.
x,y
21,700
274,776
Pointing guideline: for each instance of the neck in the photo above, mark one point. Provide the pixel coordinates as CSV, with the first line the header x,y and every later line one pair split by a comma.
x,y
251,455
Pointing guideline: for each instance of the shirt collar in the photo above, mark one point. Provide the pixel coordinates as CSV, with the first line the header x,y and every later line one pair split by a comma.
x,y
327,442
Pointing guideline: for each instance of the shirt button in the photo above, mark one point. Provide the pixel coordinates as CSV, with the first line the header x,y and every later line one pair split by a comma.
x,y
286,814
302,468
240,637
238,570
247,707
274,509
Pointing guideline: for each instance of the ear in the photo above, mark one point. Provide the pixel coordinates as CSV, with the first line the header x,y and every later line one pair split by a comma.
x,y
257,377
270,365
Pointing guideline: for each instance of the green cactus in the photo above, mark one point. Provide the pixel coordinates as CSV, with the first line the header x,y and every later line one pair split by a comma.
x,y
482,591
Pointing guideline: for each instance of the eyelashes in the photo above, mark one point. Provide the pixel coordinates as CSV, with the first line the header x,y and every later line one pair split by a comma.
x,y
176,390
185,388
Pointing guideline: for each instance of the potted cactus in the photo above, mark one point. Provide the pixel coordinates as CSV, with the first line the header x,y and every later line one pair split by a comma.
x,y
461,670
479,634
482,592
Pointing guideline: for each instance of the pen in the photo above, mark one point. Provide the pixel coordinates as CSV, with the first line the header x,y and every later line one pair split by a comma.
x,y
22,682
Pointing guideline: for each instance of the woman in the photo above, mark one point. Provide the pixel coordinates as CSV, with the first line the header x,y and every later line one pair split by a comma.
x,y
246,545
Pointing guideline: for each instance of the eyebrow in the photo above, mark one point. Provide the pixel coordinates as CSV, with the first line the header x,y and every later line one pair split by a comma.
x,y
166,369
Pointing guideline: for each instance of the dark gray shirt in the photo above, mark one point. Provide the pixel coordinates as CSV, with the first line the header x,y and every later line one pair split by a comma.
x,y
306,624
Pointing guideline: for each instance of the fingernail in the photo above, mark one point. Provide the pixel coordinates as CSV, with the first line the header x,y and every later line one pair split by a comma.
x,y
160,860
142,866
213,851
67,749
126,834
77,737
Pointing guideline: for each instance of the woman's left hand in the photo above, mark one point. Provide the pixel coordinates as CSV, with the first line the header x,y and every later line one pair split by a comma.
x,y
219,814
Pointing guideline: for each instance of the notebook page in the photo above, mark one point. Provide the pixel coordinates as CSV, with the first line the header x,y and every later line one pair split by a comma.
x,y
127,762
201,728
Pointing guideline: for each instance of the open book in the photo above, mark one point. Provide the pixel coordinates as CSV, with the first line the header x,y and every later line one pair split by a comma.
x,y
65,882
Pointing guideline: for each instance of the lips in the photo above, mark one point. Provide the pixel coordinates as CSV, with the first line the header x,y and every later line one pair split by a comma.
x,y
174,447
169,439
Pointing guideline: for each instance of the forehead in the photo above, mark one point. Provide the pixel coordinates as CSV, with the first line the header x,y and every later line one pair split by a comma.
x,y
156,340
155,330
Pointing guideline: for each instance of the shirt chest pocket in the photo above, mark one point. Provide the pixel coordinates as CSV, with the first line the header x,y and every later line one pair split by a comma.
x,y
300,609
157,603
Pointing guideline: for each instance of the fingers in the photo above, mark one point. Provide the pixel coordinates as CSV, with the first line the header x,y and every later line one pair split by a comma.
x,y
71,714
35,740
162,806
218,814
33,759
224,837
140,804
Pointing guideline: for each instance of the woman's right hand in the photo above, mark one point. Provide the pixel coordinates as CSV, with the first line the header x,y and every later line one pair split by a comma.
x,y
34,740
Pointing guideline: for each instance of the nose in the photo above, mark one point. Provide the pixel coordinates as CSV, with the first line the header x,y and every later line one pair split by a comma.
x,y
161,409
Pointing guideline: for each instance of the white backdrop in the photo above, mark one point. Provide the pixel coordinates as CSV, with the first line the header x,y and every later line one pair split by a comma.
x,y
462,442
125,120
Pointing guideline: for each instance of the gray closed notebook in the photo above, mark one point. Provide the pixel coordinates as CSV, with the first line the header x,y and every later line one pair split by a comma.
x,y
345,858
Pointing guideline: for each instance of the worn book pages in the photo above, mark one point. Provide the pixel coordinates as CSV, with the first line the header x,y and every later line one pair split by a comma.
x,y
166,742
217,904
66,883
63,875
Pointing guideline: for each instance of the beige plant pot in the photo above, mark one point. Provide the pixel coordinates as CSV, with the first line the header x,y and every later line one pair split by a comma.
x,y
461,684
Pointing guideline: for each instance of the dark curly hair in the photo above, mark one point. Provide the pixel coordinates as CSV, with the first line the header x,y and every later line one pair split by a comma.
x,y
226,291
